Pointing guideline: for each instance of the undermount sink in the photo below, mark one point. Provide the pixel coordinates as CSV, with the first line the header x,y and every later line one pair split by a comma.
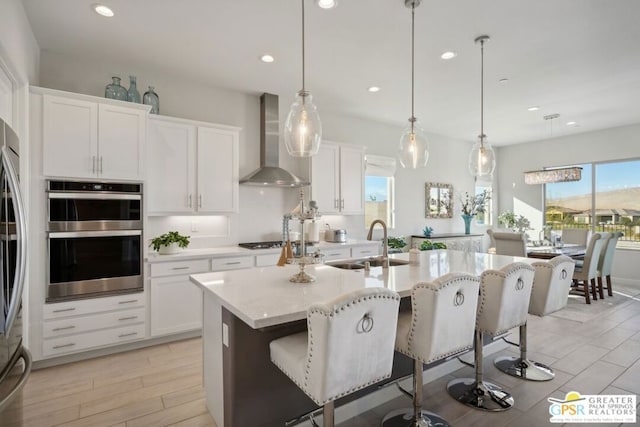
x,y
358,264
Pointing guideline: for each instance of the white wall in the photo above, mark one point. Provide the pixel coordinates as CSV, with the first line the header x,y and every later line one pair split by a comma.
x,y
18,46
261,209
610,144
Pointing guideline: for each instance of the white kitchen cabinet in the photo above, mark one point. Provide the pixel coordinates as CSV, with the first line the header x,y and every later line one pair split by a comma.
x,y
73,326
365,251
192,167
337,178
86,138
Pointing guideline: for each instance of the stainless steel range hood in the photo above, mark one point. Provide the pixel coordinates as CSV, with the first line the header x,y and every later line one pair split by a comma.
x,y
269,173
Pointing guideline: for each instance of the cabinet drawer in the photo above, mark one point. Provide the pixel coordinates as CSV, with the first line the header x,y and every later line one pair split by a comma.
x,y
363,251
235,263
94,305
80,324
337,253
74,343
179,267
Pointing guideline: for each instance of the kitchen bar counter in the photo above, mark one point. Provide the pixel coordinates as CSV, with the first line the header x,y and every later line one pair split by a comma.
x,y
246,309
235,250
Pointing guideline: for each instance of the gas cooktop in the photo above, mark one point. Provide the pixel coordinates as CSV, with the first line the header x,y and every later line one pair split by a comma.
x,y
261,245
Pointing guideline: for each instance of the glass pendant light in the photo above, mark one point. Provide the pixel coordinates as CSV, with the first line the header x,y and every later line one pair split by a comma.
x,y
302,129
414,148
482,158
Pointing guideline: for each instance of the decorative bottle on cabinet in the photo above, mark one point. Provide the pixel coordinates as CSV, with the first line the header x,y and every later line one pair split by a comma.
x,y
115,91
132,94
151,98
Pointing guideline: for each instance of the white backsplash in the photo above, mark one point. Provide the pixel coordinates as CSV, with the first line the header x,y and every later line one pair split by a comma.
x,y
204,231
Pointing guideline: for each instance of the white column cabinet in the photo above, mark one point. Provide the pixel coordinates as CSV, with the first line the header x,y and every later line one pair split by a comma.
x,y
192,167
337,179
86,138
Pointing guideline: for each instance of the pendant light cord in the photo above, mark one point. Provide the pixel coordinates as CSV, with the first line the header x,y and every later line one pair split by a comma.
x,y
413,18
482,93
303,89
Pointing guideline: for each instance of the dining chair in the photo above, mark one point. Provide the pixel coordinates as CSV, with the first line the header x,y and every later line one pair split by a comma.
x,y
492,242
587,272
576,236
348,346
606,263
510,243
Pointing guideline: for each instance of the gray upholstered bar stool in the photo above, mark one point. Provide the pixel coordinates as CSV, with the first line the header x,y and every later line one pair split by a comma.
x,y
504,302
440,325
348,346
551,286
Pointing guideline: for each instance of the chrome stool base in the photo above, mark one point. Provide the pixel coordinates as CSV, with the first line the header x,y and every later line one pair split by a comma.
x,y
405,418
524,368
484,395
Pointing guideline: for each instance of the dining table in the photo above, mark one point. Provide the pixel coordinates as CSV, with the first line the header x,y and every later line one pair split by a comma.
x,y
547,252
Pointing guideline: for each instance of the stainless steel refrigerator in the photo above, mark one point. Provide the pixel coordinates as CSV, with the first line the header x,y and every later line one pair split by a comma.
x,y
15,360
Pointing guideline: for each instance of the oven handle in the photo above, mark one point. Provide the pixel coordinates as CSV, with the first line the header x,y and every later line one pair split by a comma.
x,y
95,196
80,234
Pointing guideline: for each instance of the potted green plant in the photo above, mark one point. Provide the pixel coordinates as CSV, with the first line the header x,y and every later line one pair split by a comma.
x,y
396,244
169,243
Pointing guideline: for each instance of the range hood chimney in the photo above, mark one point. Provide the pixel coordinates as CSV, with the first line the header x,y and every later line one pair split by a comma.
x,y
269,173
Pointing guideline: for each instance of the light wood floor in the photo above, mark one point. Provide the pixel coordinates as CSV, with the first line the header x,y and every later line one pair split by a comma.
x,y
593,349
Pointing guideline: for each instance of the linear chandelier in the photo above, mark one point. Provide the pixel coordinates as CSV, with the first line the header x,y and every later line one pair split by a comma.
x,y
548,176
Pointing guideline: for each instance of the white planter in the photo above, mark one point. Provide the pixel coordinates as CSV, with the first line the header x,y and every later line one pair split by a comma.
x,y
173,248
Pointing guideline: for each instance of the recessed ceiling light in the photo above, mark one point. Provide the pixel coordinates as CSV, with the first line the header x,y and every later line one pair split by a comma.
x,y
534,108
267,58
571,123
103,10
327,4
448,55
373,89
503,80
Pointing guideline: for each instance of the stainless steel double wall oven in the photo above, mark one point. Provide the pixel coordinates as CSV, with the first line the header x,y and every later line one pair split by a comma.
x,y
94,239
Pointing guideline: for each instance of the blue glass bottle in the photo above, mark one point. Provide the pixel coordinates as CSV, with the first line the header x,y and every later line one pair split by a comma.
x,y
115,91
151,98
132,94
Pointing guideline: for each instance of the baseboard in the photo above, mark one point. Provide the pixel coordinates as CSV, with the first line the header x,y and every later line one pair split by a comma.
x,y
105,351
625,281
390,392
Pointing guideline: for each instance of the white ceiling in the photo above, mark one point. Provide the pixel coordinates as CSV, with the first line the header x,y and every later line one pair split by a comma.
x,y
578,58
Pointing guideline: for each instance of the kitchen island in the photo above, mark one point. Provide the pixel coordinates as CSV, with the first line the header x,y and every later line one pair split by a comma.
x,y
246,309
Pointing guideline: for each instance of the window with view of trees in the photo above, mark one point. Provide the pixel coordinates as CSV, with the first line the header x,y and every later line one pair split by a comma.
x,y
607,198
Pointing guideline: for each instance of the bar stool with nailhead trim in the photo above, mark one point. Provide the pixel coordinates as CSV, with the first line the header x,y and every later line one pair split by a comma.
x,y
551,286
504,302
347,347
440,325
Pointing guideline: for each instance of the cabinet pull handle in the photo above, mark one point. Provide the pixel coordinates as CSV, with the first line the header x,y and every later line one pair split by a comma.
x,y
341,203
127,335
335,203
190,201
55,347
128,318
100,164
365,252
128,301
200,201
180,268
63,328
232,263
93,164
64,309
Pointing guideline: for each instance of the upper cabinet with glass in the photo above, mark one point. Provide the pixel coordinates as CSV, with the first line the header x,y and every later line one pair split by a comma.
x,y
438,200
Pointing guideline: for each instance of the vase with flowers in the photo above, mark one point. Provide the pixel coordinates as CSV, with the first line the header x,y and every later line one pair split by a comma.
x,y
471,206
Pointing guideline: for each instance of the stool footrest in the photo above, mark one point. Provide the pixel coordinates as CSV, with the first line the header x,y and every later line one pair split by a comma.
x,y
524,368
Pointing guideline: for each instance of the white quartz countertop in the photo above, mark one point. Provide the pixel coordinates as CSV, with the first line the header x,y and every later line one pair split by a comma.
x,y
264,297
234,250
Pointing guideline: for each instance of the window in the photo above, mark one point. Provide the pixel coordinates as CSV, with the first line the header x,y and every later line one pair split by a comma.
x,y
379,189
606,199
